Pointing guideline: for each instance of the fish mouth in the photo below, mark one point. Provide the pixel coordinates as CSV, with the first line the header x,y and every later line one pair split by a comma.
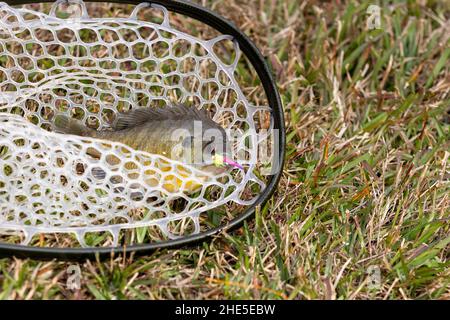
x,y
226,165
231,163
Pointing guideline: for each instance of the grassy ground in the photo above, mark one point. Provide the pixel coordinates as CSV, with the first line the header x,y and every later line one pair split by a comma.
x,y
365,188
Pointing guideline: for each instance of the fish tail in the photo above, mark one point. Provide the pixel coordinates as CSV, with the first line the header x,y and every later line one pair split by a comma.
x,y
64,124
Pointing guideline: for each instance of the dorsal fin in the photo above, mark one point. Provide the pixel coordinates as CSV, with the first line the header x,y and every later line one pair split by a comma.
x,y
140,116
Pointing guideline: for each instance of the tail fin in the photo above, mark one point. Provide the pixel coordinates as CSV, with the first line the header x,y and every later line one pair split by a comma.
x,y
64,124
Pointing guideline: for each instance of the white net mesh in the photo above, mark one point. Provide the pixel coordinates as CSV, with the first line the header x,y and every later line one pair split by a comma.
x,y
92,69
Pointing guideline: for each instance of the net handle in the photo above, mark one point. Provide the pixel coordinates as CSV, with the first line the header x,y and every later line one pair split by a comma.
x,y
262,69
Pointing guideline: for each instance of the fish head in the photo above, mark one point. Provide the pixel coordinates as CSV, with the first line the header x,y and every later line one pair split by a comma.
x,y
209,151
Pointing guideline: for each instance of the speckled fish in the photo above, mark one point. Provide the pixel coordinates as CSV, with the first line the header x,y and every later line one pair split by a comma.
x,y
170,132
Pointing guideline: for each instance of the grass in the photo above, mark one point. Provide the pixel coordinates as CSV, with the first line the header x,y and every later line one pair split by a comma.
x,y
365,187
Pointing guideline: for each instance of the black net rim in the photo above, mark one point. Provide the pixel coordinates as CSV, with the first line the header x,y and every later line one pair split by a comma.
x,y
262,69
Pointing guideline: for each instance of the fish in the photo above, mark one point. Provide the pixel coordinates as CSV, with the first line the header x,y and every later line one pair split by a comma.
x,y
178,132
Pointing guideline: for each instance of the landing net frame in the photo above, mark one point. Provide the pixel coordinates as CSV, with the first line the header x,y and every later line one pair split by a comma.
x,y
259,64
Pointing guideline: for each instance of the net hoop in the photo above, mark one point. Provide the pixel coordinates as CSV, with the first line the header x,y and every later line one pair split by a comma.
x,y
259,64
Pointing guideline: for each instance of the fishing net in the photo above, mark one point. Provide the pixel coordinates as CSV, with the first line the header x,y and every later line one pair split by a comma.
x,y
65,61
